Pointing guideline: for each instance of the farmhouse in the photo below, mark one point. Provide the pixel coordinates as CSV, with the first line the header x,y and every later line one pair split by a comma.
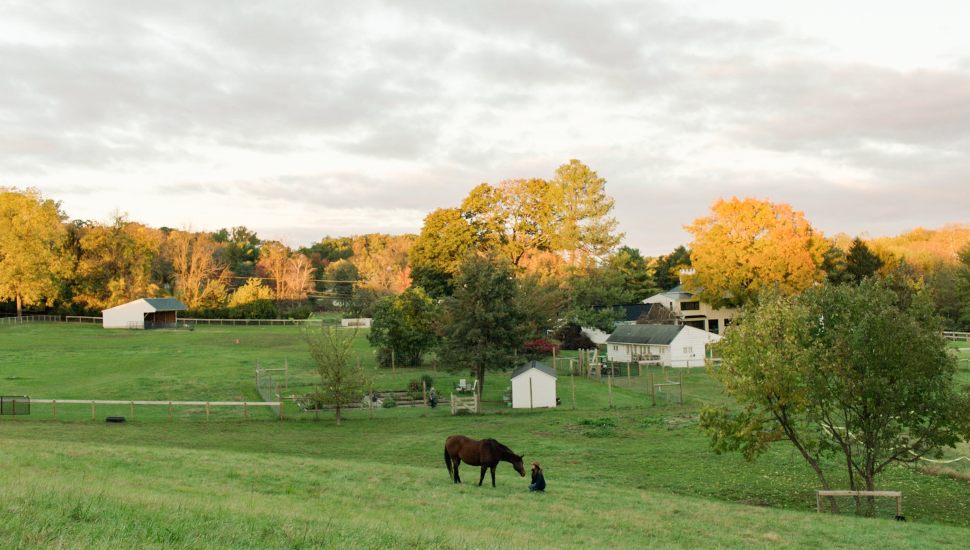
x,y
534,386
690,311
671,345
144,313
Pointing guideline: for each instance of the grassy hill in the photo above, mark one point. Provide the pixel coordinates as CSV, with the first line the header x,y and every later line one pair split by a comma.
x,y
625,477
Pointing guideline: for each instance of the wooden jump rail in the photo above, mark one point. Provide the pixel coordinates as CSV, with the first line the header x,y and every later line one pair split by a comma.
x,y
465,404
898,495
170,404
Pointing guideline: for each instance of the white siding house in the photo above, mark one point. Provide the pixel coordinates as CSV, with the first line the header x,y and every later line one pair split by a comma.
x,y
143,313
541,394
671,345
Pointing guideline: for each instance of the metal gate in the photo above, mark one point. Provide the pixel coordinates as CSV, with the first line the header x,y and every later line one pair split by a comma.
x,y
14,405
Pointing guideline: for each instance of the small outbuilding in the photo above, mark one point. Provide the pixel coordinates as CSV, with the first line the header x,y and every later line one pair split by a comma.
x,y
144,313
670,345
534,386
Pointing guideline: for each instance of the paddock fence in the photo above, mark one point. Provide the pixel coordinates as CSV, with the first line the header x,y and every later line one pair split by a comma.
x,y
171,405
228,322
29,319
956,336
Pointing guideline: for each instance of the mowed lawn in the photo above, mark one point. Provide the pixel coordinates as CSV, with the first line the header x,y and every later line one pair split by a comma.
x,y
631,476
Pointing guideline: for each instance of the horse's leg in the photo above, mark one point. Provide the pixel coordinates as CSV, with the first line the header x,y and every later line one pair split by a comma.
x,y
493,476
457,462
481,479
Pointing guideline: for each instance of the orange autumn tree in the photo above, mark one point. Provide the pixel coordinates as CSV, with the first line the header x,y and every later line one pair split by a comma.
x,y
747,245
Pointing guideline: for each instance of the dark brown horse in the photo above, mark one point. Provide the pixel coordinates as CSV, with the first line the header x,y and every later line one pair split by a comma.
x,y
486,453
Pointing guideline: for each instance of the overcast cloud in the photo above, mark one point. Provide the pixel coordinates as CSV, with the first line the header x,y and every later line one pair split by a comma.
x,y
304,119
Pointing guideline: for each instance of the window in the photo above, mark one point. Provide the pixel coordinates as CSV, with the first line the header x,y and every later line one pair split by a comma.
x,y
713,326
690,306
616,347
727,322
688,349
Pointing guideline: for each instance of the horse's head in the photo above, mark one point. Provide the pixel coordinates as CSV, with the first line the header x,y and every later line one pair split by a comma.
x,y
517,464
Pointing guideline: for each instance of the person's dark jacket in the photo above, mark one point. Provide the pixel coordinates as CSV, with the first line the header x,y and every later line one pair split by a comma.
x,y
538,481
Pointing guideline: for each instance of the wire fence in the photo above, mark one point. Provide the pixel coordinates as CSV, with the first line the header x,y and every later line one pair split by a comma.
x,y
272,384
29,319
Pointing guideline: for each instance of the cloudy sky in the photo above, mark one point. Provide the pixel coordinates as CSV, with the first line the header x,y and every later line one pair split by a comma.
x,y
301,119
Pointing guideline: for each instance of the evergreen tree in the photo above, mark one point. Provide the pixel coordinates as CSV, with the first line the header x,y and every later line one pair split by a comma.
x,y
861,262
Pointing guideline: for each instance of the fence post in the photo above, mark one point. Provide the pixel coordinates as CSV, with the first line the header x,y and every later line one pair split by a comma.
x,y
424,393
572,381
206,411
132,405
653,390
170,416
92,411
681,387
609,384
54,408
246,410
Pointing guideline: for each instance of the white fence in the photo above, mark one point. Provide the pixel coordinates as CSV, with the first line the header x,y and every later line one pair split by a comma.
x,y
956,336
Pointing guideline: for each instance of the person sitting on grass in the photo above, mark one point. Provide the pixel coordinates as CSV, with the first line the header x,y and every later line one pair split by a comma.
x,y
433,397
538,480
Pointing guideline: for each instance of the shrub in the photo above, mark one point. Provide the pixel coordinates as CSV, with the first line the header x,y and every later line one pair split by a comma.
x,y
572,337
389,403
538,349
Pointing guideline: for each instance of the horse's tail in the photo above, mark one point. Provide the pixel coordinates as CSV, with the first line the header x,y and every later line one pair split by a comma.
x,y
448,463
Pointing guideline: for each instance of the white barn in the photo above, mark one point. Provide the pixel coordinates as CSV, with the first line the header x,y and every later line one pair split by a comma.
x,y
670,345
534,386
143,313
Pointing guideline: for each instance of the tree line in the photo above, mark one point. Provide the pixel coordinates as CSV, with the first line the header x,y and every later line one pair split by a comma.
x,y
557,234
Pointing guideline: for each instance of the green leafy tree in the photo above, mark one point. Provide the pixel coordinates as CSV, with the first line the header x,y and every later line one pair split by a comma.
x,y
342,379
342,276
839,370
861,262
963,286
405,325
593,294
633,268
585,228
240,249
32,239
483,324
541,302
667,268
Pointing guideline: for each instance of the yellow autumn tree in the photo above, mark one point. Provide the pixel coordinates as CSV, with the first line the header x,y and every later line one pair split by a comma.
x,y
747,245
31,238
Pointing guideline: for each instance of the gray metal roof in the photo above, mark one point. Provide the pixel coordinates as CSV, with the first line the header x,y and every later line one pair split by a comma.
x,y
661,335
535,365
166,304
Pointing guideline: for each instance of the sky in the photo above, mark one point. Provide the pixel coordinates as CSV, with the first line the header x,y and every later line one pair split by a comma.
x,y
305,119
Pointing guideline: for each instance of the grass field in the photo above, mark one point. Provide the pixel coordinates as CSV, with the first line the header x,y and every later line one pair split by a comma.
x,y
631,476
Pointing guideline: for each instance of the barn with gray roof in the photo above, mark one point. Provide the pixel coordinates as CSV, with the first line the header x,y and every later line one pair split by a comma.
x,y
144,313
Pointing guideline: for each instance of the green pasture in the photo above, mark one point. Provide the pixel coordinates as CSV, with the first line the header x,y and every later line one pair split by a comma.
x,y
633,475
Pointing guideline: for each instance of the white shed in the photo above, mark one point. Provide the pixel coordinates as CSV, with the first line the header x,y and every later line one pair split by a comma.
x,y
671,345
534,386
144,313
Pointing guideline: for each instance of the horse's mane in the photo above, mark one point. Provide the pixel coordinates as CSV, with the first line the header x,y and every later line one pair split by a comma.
x,y
502,448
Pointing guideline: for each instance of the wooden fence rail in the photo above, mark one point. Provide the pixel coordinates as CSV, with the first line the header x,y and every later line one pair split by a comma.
x,y
956,336
170,404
